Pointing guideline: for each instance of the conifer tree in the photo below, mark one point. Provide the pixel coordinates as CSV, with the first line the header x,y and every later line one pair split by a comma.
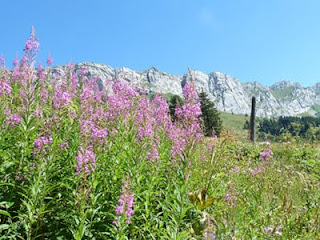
x,y
246,125
212,123
174,102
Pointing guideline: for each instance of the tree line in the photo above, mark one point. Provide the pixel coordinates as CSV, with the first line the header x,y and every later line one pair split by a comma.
x,y
305,127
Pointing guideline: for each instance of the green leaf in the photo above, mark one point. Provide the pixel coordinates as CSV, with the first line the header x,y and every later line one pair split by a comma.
x,y
6,204
4,227
5,213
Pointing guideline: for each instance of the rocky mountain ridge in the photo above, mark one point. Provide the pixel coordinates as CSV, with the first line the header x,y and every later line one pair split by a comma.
x,y
281,99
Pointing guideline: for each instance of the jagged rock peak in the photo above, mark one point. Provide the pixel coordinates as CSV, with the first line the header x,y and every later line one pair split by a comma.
x,y
284,98
285,84
153,69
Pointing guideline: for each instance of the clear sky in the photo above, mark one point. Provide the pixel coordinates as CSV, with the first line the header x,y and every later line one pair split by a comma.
x,y
252,40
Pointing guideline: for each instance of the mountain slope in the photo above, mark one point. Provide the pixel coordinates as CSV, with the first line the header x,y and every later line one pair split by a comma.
x,y
281,99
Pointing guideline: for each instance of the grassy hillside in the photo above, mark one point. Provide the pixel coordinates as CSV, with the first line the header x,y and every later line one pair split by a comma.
x,y
305,114
283,93
234,123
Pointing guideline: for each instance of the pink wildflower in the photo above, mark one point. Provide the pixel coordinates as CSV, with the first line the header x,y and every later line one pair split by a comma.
x,y
84,72
31,46
189,93
49,60
14,120
210,235
265,155
15,61
85,161
153,155
41,142
125,203
61,98
5,88
2,61
230,199
63,146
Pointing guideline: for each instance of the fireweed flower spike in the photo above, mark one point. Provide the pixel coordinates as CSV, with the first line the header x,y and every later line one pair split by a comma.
x,y
31,48
40,66
153,155
85,161
189,93
2,62
15,61
5,88
41,72
49,60
84,72
70,65
41,143
14,120
125,203
188,129
60,98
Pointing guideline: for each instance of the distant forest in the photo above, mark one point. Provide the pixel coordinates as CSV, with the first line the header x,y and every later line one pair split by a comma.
x,y
307,128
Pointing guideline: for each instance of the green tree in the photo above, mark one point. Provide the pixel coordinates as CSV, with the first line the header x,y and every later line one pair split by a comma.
x,y
173,102
246,125
212,122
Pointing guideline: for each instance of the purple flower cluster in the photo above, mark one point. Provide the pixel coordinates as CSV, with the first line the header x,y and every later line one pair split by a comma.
x,y
125,204
90,130
41,142
90,95
38,113
32,44
5,88
179,141
31,48
120,102
63,145
152,117
49,60
189,93
123,89
61,98
144,112
189,112
144,132
153,155
209,235
86,160
99,109
160,110
231,199
2,61
265,155
187,129
87,93
41,72
70,66
15,61
14,120
84,72
148,117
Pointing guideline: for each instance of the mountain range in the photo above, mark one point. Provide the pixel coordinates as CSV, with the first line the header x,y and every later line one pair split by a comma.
x,y
284,98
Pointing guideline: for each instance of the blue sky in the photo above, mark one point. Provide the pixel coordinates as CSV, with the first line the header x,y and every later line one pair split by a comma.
x,y
264,41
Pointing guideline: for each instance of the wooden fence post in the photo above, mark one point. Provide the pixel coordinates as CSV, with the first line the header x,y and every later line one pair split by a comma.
x,y
253,119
